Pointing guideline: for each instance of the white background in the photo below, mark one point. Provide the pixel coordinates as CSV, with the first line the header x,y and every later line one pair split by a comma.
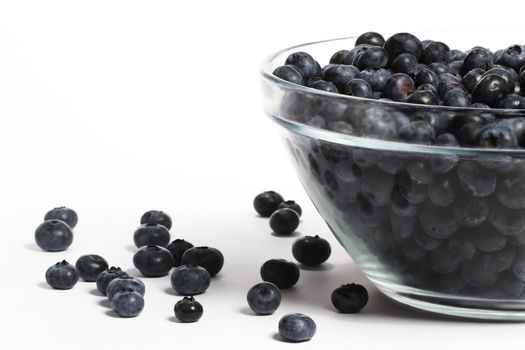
x,y
117,107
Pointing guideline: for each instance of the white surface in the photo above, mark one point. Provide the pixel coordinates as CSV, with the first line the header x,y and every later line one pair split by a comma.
x,y
117,107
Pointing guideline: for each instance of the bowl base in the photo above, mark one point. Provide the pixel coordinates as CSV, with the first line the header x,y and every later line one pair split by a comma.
x,y
471,308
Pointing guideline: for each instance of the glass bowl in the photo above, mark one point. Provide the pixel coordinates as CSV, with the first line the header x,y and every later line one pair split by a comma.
x,y
436,228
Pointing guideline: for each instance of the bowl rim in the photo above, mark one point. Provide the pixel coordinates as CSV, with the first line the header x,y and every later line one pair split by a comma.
x,y
366,142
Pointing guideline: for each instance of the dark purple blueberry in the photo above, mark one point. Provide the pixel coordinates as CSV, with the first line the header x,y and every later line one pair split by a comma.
x,y
370,38
456,98
151,234
311,251
443,192
399,86
407,64
417,132
264,298
470,211
511,189
435,51
423,97
350,298
440,121
340,75
377,123
512,101
339,57
296,328
426,76
376,78
153,261
324,86
190,279
62,275
90,266
438,68
454,68
491,89
478,272
209,258
267,202
177,249
446,80
402,226
188,310
291,205
156,217
284,221
127,303
425,241
284,274
470,79
508,74
124,283
456,55
108,275
374,57
359,88
289,73
401,43
513,57
304,62
438,222
68,215
488,240
53,235
510,222
476,58
475,180
356,51
496,136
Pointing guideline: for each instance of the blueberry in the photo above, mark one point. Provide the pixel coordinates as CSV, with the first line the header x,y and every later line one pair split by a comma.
x,y
284,221
403,43
289,73
518,268
127,303
190,279
303,61
438,222
377,123
156,217
435,51
153,261
444,261
209,258
478,272
488,240
475,180
340,75
522,81
512,101
426,76
291,205
339,57
443,192
508,74
69,216
440,121
284,274
324,86
470,79
413,252
54,236
155,234
311,251
427,87
62,275
350,298
476,58
399,86
420,171
438,68
510,285
447,82
514,57
425,241
267,202
376,78
177,249
374,57
407,64
491,89
356,51
402,226
359,88
418,132
188,310
108,275
456,98
341,127
264,298
90,266
124,283
423,97
456,55
296,327
409,190
454,68
370,38
510,222
511,189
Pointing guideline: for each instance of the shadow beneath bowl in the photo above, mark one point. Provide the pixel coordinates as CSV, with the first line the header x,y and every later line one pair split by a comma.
x,y
292,235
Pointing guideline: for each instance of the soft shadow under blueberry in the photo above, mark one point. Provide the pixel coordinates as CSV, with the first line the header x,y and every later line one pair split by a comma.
x,y
171,291
96,292
292,235
247,311
131,248
174,319
33,247
105,303
323,267
44,285
112,313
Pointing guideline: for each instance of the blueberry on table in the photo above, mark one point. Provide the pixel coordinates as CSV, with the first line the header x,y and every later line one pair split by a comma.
x,y
90,266
54,236
124,283
190,279
284,274
304,62
267,202
324,86
188,310
127,303
291,205
106,276
370,38
153,261
401,43
68,215
264,298
359,88
156,234
296,327
177,249
156,217
284,221
490,89
374,57
350,298
289,73
62,275
311,251
435,51
207,257
399,86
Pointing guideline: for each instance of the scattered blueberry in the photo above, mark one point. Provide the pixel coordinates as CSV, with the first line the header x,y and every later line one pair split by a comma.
x,y
289,73
207,257
370,38
124,283
54,235
69,216
291,205
177,249
284,221
155,234
62,275
267,202
156,217
296,327
311,251
264,298
90,266
188,310
108,275
127,303
190,279
153,261
284,274
350,298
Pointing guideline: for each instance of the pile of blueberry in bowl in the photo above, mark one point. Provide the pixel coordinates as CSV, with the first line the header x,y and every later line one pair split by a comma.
x,y
413,151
